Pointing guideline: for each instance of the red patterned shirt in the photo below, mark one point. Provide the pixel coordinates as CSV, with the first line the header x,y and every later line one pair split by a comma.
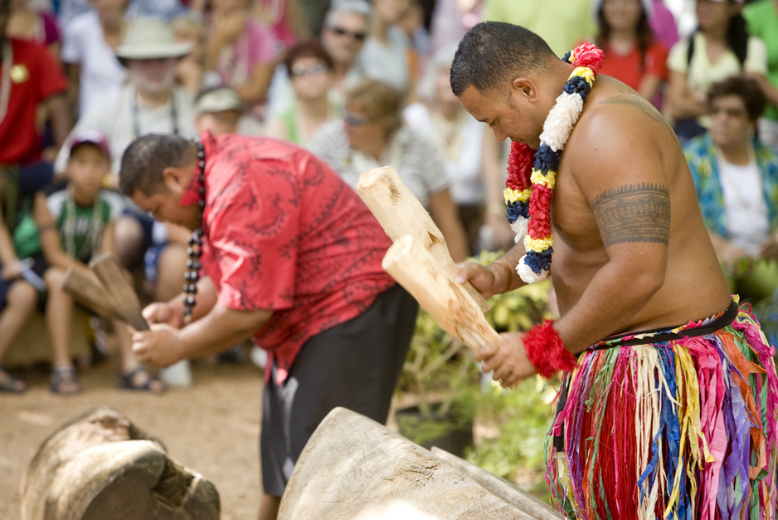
x,y
284,232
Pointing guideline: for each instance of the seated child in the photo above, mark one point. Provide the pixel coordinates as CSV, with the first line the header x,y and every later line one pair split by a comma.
x,y
74,224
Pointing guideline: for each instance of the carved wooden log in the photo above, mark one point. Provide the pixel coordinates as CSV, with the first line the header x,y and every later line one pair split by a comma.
x,y
352,464
89,292
400,213
119,291
447,301
508,491
101,466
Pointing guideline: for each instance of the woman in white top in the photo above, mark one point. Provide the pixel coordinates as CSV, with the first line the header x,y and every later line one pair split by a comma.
x,y
89,42
470,154
718,49
370,135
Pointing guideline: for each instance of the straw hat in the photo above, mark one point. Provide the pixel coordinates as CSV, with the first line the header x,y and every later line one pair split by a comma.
x,y
218,99
151,38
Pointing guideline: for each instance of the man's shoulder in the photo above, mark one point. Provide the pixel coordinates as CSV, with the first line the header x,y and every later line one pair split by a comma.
x,y
619,116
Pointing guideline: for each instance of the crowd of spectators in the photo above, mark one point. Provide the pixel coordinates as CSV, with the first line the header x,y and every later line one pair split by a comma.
x,y
362,83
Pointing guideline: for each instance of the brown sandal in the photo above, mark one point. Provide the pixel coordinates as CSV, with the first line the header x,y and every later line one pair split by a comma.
x,y
11,385
64,381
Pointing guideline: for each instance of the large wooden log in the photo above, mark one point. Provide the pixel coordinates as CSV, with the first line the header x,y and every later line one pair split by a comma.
x,y
400,213
446,300
88,292
101,466
508,491
352,464
119,291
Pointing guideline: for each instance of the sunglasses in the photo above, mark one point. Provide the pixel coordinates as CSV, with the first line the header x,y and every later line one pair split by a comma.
x,y
353,119
300,70
358,36
730,112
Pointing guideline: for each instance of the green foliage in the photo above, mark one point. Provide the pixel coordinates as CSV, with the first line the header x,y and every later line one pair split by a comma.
x,y
523,417
440,369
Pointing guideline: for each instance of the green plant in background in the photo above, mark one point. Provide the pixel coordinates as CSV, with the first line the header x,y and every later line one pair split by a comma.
x,y
441,373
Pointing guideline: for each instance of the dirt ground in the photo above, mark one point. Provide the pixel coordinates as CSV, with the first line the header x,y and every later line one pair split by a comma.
x,y
211,427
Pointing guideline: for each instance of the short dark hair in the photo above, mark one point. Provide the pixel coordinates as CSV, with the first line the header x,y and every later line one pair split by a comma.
x,y
147,157
746,89
307,49
493,52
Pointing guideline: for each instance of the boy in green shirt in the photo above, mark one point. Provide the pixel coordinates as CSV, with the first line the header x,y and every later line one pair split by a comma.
x,y
73,225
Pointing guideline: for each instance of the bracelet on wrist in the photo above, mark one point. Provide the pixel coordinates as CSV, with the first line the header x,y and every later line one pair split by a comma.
x,y
546,352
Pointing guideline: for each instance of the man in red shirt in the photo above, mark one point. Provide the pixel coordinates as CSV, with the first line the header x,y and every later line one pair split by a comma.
x,y
293,259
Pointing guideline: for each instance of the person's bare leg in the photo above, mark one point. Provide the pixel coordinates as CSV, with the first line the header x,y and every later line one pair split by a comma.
x,y
129,237
129,362
268,507
171,267
59,317
20,303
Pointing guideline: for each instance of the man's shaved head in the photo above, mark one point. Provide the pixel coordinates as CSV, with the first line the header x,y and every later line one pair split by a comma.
x,y
492,54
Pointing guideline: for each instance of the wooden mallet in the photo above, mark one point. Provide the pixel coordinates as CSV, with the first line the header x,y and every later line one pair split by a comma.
x,y
400,213
118,291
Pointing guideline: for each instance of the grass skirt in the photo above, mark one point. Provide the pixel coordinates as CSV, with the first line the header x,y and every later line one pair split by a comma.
x,y
680,429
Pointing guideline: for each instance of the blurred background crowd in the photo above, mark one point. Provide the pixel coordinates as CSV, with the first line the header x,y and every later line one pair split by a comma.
x,y
360,83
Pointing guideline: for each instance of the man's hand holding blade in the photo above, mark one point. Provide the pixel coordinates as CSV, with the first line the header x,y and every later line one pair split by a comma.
x,y
160,347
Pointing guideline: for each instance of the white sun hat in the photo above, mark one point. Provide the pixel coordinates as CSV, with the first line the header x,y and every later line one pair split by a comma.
x,y
151,38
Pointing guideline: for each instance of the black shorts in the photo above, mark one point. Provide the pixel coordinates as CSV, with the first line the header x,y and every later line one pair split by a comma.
x,y
355,365
39,268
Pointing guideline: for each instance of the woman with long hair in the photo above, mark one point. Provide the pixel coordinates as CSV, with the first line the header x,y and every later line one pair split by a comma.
x,y
720,48
632,55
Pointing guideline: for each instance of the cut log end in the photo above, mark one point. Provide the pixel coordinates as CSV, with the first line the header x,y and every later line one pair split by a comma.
x,y
370,177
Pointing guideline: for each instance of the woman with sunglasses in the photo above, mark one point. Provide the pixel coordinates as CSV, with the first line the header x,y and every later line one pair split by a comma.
x,y
310,72
371,134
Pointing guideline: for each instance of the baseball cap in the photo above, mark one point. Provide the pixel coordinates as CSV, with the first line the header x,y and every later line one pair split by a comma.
x,y
219,99
91,137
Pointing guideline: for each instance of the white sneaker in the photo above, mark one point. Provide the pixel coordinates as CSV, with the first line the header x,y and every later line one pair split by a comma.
x,y
177,375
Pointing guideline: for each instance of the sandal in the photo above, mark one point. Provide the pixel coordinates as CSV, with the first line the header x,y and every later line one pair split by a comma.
x,y
11,385
64,381
147,383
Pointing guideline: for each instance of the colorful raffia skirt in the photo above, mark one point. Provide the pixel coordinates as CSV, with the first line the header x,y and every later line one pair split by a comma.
x,y
677,424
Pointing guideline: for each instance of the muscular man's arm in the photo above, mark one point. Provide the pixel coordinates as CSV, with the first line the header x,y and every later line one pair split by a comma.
x,y
624,180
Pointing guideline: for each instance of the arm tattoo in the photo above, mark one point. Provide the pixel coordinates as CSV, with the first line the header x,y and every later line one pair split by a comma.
x,y
633,213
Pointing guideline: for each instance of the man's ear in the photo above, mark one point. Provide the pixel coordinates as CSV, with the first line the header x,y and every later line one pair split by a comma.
x,y
523,88
175,179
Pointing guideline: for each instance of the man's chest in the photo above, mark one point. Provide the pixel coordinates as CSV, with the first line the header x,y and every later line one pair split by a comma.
x,y
572,218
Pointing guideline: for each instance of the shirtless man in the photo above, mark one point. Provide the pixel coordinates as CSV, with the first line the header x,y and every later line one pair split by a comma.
x,y
619,266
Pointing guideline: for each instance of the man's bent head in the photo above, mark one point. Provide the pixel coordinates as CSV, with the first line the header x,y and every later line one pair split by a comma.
x,y
155,172
502,75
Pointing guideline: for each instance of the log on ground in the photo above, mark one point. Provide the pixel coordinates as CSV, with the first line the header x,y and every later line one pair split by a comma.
x,y
101,466
352,465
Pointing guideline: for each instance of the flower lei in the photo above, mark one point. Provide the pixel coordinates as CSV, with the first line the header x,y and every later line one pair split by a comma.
x,y
532,174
